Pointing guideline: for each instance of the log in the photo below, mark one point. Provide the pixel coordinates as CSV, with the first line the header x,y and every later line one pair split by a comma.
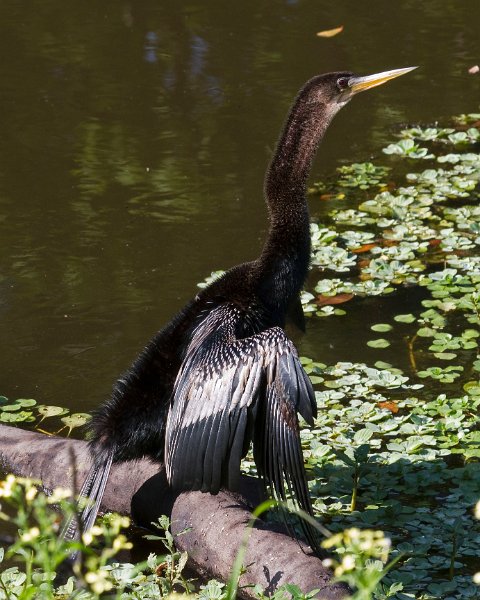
x,y
216,523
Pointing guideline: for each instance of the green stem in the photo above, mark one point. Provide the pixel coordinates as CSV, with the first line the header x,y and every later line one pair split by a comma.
x,y
356,478
451,571
411,354
7,595
237,565
28,570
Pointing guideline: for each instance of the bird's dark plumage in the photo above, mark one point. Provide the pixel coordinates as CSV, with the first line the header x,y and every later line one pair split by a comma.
x,y
223,373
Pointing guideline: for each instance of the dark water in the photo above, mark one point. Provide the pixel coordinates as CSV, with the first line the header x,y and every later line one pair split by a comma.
x,y
133,143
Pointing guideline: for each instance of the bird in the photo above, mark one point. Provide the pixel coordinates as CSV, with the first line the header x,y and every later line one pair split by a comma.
x,y
222,374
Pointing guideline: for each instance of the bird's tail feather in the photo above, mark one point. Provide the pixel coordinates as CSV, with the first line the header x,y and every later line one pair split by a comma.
x,y
89,499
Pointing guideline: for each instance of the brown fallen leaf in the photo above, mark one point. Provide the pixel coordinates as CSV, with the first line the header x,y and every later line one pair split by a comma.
x,y
364,248
338,299
391,406
328,33
389,243
474,70
362,264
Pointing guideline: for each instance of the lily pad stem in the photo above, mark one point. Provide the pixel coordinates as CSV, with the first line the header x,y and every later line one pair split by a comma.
x,y
411,354
451,570
356,478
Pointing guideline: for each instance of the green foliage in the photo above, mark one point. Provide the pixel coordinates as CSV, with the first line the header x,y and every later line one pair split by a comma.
x,y
408,148
39,550
362,175
362,556
380,456
403,232
28,411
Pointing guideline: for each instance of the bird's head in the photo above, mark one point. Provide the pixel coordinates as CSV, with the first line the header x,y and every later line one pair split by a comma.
x,y
340,87
334,90
315,106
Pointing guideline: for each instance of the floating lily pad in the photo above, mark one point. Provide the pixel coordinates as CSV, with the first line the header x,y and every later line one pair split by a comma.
x,y
16,417
26,402
472,388
445,355
408,318
378,343
76,420
426,332
381,327
51,411
11,407
382,365
362,436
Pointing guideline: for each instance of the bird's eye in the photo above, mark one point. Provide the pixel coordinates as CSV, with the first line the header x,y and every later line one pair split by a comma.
x,y
342,83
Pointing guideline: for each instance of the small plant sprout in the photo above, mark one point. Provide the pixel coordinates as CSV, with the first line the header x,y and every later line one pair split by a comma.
x,y
361,559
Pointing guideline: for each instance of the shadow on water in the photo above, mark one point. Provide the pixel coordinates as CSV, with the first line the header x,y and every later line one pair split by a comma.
x,y
344,338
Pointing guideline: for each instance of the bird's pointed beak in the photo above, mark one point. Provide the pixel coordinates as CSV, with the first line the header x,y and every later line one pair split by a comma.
x,y
359,84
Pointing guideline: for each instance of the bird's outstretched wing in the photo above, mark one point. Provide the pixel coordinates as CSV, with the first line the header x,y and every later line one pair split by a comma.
x,y
229,391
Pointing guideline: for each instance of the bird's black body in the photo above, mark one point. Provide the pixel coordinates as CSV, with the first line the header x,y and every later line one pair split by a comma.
x,y
223,373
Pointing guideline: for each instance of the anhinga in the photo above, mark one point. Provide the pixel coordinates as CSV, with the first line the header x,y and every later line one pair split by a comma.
x,y
223,373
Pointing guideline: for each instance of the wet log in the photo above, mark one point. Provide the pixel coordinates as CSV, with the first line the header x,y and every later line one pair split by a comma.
x,y
216,524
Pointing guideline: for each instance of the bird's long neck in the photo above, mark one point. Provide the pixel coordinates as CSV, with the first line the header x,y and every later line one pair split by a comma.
x,y
285,257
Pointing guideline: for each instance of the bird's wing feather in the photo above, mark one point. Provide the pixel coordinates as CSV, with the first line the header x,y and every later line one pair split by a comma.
x,y
225,387
218,382
277,449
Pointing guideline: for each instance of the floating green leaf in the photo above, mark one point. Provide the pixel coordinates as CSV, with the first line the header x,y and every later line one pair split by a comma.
x,y
362,436
75,420
381,327
382,365
408,318
11,407
16,417
26,402
426,332
378,343
51,411
472,388
445,355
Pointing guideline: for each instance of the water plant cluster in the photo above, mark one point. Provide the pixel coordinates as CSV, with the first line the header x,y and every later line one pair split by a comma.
x,y
392,450
384,453
399,233
27,410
